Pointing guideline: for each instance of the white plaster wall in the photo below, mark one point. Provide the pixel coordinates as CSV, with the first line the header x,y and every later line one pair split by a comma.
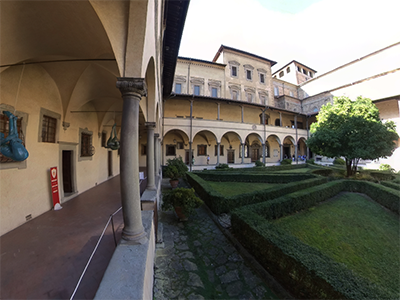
x,y
27,191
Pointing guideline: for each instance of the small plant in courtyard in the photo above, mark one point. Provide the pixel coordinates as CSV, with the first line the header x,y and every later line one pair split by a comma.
x,y
311,161
286,161
222,166
339,161
172,172
259,163
182,198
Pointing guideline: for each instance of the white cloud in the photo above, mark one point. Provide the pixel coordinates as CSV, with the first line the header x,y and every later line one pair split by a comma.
x,y
323,36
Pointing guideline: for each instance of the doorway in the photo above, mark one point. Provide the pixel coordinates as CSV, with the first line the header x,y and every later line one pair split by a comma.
x,y
231,156
109,163
286,151
67,171
187,157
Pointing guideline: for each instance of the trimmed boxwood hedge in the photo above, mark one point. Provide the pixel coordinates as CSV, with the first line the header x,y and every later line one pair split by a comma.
x,y
391,184
264,169
254,177
220,204
382,175
306,271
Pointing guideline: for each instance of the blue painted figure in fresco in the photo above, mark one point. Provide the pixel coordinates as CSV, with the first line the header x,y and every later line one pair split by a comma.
x,y
12,146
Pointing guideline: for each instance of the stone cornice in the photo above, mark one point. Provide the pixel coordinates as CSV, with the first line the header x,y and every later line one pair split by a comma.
x,y
130,85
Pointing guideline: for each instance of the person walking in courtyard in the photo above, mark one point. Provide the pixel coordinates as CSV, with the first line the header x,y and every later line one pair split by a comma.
x,y
208,159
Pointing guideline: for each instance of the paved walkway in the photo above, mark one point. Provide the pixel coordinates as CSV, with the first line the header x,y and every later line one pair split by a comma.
x,y
44,258
197,261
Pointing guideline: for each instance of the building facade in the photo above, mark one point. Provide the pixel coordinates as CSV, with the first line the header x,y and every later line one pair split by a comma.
x,y
234,110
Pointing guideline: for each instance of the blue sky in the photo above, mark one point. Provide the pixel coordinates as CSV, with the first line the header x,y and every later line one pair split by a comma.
x,y
322,34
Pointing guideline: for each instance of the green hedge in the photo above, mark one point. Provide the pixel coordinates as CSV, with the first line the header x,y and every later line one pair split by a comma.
x,y
253,177
382,175
391,184
265,169
293,202
220,204
211,197
305,270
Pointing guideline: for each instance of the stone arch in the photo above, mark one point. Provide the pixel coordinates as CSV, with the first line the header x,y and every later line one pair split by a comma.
x,y
149,103
274,144
302,147
253,146
288,144
176,144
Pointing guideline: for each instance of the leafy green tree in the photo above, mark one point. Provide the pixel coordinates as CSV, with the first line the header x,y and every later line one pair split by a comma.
x,y
353,130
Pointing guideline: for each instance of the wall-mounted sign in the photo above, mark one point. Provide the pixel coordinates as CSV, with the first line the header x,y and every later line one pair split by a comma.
x,y
54,188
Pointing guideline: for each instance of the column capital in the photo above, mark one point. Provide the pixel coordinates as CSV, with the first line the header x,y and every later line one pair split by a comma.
x,y
150,124
156,135
130,85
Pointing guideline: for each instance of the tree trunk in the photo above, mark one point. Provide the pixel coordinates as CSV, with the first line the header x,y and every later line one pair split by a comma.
x,y
348,167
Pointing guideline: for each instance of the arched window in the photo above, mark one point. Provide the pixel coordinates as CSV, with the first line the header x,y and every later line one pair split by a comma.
x,y
277,122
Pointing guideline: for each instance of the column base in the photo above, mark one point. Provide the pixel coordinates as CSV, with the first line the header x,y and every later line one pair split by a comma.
x,y
151,187
135,239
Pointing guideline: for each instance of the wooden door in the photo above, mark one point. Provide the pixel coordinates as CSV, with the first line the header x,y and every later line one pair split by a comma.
x,y
231,156
254,154
67,171
110,169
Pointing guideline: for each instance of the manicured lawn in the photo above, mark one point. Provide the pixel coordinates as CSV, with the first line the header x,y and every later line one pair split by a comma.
x,y
237,188
355,231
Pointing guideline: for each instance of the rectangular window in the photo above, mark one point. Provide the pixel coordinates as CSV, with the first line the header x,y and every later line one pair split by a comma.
x,y
201,150
280,74
103,139
234,71
221,150
276,91
305,71
4,128
49,126
299,69
234,95
262,99
170,150
291,93
311,75
197,90
86,144
178,88
214,92
250,97
288,70
262,78
248,74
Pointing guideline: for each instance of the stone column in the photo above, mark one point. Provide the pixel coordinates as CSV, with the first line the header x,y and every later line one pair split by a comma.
x,y
218,148
132,90
243,153
263,155
156,154
281,151
150,155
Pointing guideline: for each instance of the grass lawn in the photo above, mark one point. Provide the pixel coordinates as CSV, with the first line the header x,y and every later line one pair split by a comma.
x,y
355,231
237,188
